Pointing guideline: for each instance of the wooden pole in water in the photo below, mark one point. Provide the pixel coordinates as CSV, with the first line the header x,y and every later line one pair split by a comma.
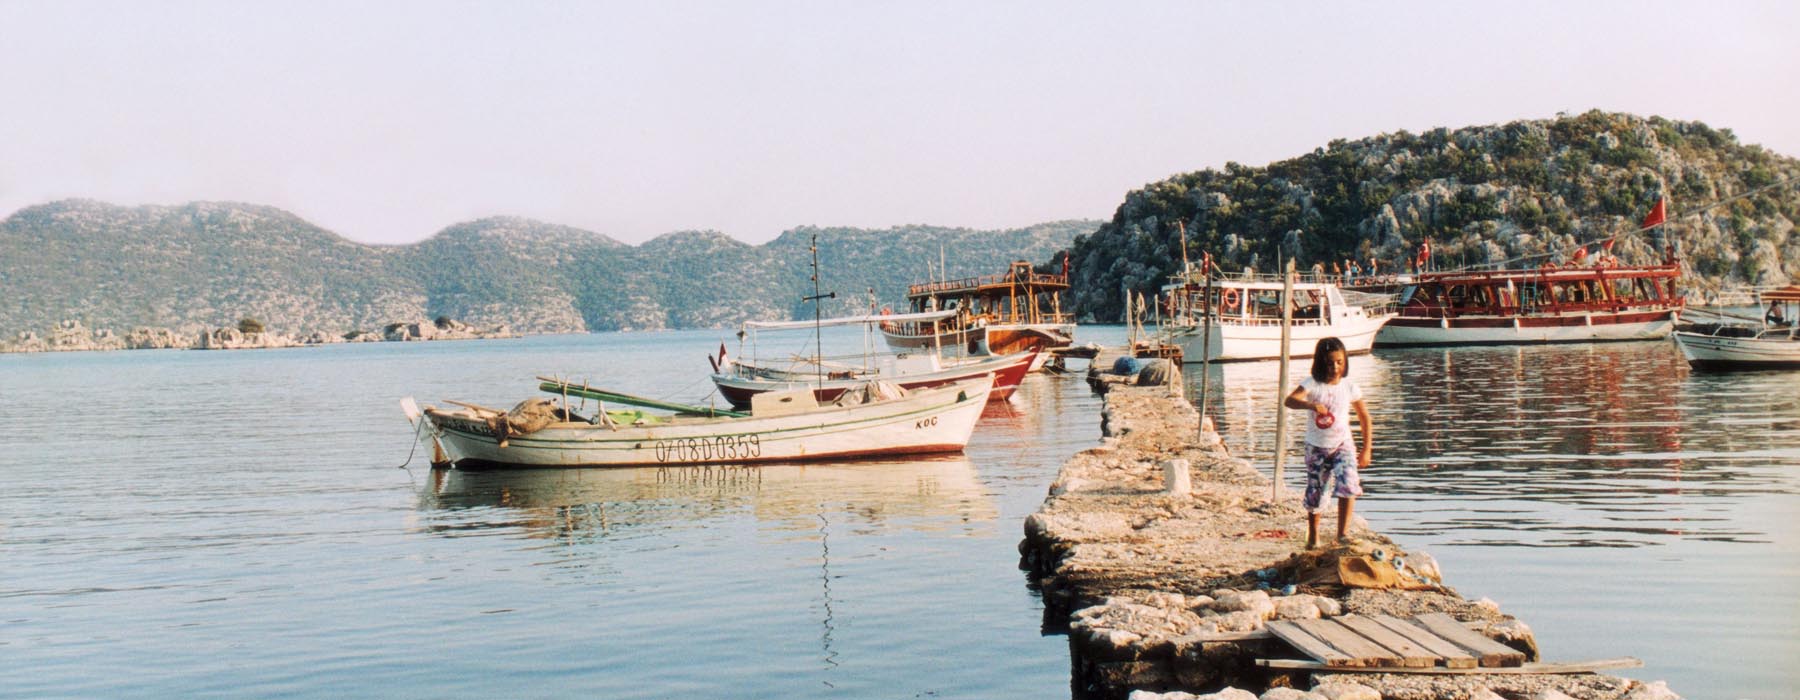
x,y
1287,321
1206,315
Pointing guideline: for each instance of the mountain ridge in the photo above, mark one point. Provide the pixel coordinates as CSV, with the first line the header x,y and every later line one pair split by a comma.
x,y
205,265
1526,189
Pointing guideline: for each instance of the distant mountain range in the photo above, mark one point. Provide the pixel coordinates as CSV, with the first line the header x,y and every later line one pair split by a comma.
x,y
1525,192
210,264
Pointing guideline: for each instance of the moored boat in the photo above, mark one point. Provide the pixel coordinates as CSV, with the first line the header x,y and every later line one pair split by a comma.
x,y
1570,303
880,419
994,314
1775,344
1246,317
739,380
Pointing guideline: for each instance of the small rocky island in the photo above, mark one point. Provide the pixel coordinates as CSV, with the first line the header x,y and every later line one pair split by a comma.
x,y
249,334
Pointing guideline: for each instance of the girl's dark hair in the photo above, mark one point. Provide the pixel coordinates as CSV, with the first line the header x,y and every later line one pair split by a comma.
x,y
1321,368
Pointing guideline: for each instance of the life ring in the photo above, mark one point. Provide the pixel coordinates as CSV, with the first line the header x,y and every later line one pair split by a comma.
x,y
1231,299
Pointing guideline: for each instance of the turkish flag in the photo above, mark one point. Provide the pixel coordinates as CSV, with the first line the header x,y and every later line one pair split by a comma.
x,y
1607,245
1657,215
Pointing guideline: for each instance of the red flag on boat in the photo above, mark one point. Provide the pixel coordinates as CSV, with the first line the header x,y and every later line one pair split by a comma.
x,y
1657,215
1580,253
1607,246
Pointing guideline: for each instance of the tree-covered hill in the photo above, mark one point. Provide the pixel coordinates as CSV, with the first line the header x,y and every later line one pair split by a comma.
x,y
207,265
1480,195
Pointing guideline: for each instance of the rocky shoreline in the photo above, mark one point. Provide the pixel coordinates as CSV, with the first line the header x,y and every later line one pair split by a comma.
x,y
1164,558
72,336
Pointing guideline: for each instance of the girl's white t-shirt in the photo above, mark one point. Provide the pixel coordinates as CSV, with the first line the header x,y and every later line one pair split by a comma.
x,y
1331,428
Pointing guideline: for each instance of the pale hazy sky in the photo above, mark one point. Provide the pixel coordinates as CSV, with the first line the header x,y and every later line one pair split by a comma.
x,y
388,121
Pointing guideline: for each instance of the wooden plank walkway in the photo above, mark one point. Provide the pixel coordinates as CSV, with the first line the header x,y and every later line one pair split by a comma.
x,y
1428,641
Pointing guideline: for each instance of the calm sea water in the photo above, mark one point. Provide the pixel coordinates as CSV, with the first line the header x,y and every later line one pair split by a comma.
x,y
180,524
234,524
1615,501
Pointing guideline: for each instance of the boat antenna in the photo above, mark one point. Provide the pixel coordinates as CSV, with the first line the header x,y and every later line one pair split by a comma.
x,y
818,342
1184,259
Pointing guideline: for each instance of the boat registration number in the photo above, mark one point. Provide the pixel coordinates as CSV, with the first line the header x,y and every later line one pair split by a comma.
x,y
701,449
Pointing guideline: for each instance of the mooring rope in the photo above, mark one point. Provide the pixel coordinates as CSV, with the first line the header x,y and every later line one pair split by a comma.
x,y
417,430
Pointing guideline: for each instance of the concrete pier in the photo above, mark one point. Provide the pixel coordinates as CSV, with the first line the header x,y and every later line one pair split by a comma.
x,y
1165,589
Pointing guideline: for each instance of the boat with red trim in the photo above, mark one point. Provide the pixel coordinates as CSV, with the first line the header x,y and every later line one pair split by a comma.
x,y
1582,301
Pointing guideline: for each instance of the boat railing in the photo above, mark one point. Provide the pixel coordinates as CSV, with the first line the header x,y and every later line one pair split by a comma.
x,y
1036,279
957,325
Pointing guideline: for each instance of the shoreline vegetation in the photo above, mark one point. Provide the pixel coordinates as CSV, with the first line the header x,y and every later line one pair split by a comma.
x,y
72,336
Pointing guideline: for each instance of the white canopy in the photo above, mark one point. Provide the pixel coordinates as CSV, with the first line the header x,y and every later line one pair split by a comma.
x,y
848,321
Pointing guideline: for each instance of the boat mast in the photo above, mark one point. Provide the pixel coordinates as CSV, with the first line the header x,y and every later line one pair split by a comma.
x,y
818,336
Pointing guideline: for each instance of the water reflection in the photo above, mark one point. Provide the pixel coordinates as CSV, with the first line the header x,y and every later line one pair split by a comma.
x,y
557,503
1604,445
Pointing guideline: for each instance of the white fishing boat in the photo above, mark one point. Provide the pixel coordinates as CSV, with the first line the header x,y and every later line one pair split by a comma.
x,y
880,419
1775,344
739,380
1246,317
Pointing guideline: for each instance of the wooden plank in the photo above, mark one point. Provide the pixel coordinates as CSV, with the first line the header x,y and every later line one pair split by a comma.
x,y
1453,655
1524,669
1307,644
1411,655
1489,652
1360,649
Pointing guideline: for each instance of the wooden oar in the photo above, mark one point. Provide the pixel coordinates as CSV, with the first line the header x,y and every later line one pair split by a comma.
x,y
477,407
557,386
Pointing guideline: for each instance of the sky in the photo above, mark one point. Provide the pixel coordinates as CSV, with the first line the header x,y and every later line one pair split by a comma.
x,y
387,122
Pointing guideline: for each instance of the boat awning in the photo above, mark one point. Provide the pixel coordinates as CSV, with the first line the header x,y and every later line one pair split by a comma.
x,y
848,321
1788,293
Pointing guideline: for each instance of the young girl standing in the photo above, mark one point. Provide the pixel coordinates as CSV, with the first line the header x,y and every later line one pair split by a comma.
x,y
1329,446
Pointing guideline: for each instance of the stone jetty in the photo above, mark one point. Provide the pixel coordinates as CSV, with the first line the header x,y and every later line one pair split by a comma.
x,y
1166,560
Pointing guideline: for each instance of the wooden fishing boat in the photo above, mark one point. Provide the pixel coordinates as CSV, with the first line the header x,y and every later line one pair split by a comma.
x,y
879,420
1246,318
739,380
994,314
1775,344
1573,303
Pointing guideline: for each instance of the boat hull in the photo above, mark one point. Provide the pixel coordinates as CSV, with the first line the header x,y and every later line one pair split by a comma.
x,y
1726,353
1405,331
999,339
1008,371
938,420
1233,342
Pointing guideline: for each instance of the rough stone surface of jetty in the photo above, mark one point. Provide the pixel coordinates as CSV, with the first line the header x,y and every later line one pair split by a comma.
x,y
1163,592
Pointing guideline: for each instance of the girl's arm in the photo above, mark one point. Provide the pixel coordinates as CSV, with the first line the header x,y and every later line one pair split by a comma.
x,y
1368,434
1297,400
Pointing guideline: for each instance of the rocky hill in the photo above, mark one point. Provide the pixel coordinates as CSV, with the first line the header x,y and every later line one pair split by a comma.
x,y
1479,194
205,266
